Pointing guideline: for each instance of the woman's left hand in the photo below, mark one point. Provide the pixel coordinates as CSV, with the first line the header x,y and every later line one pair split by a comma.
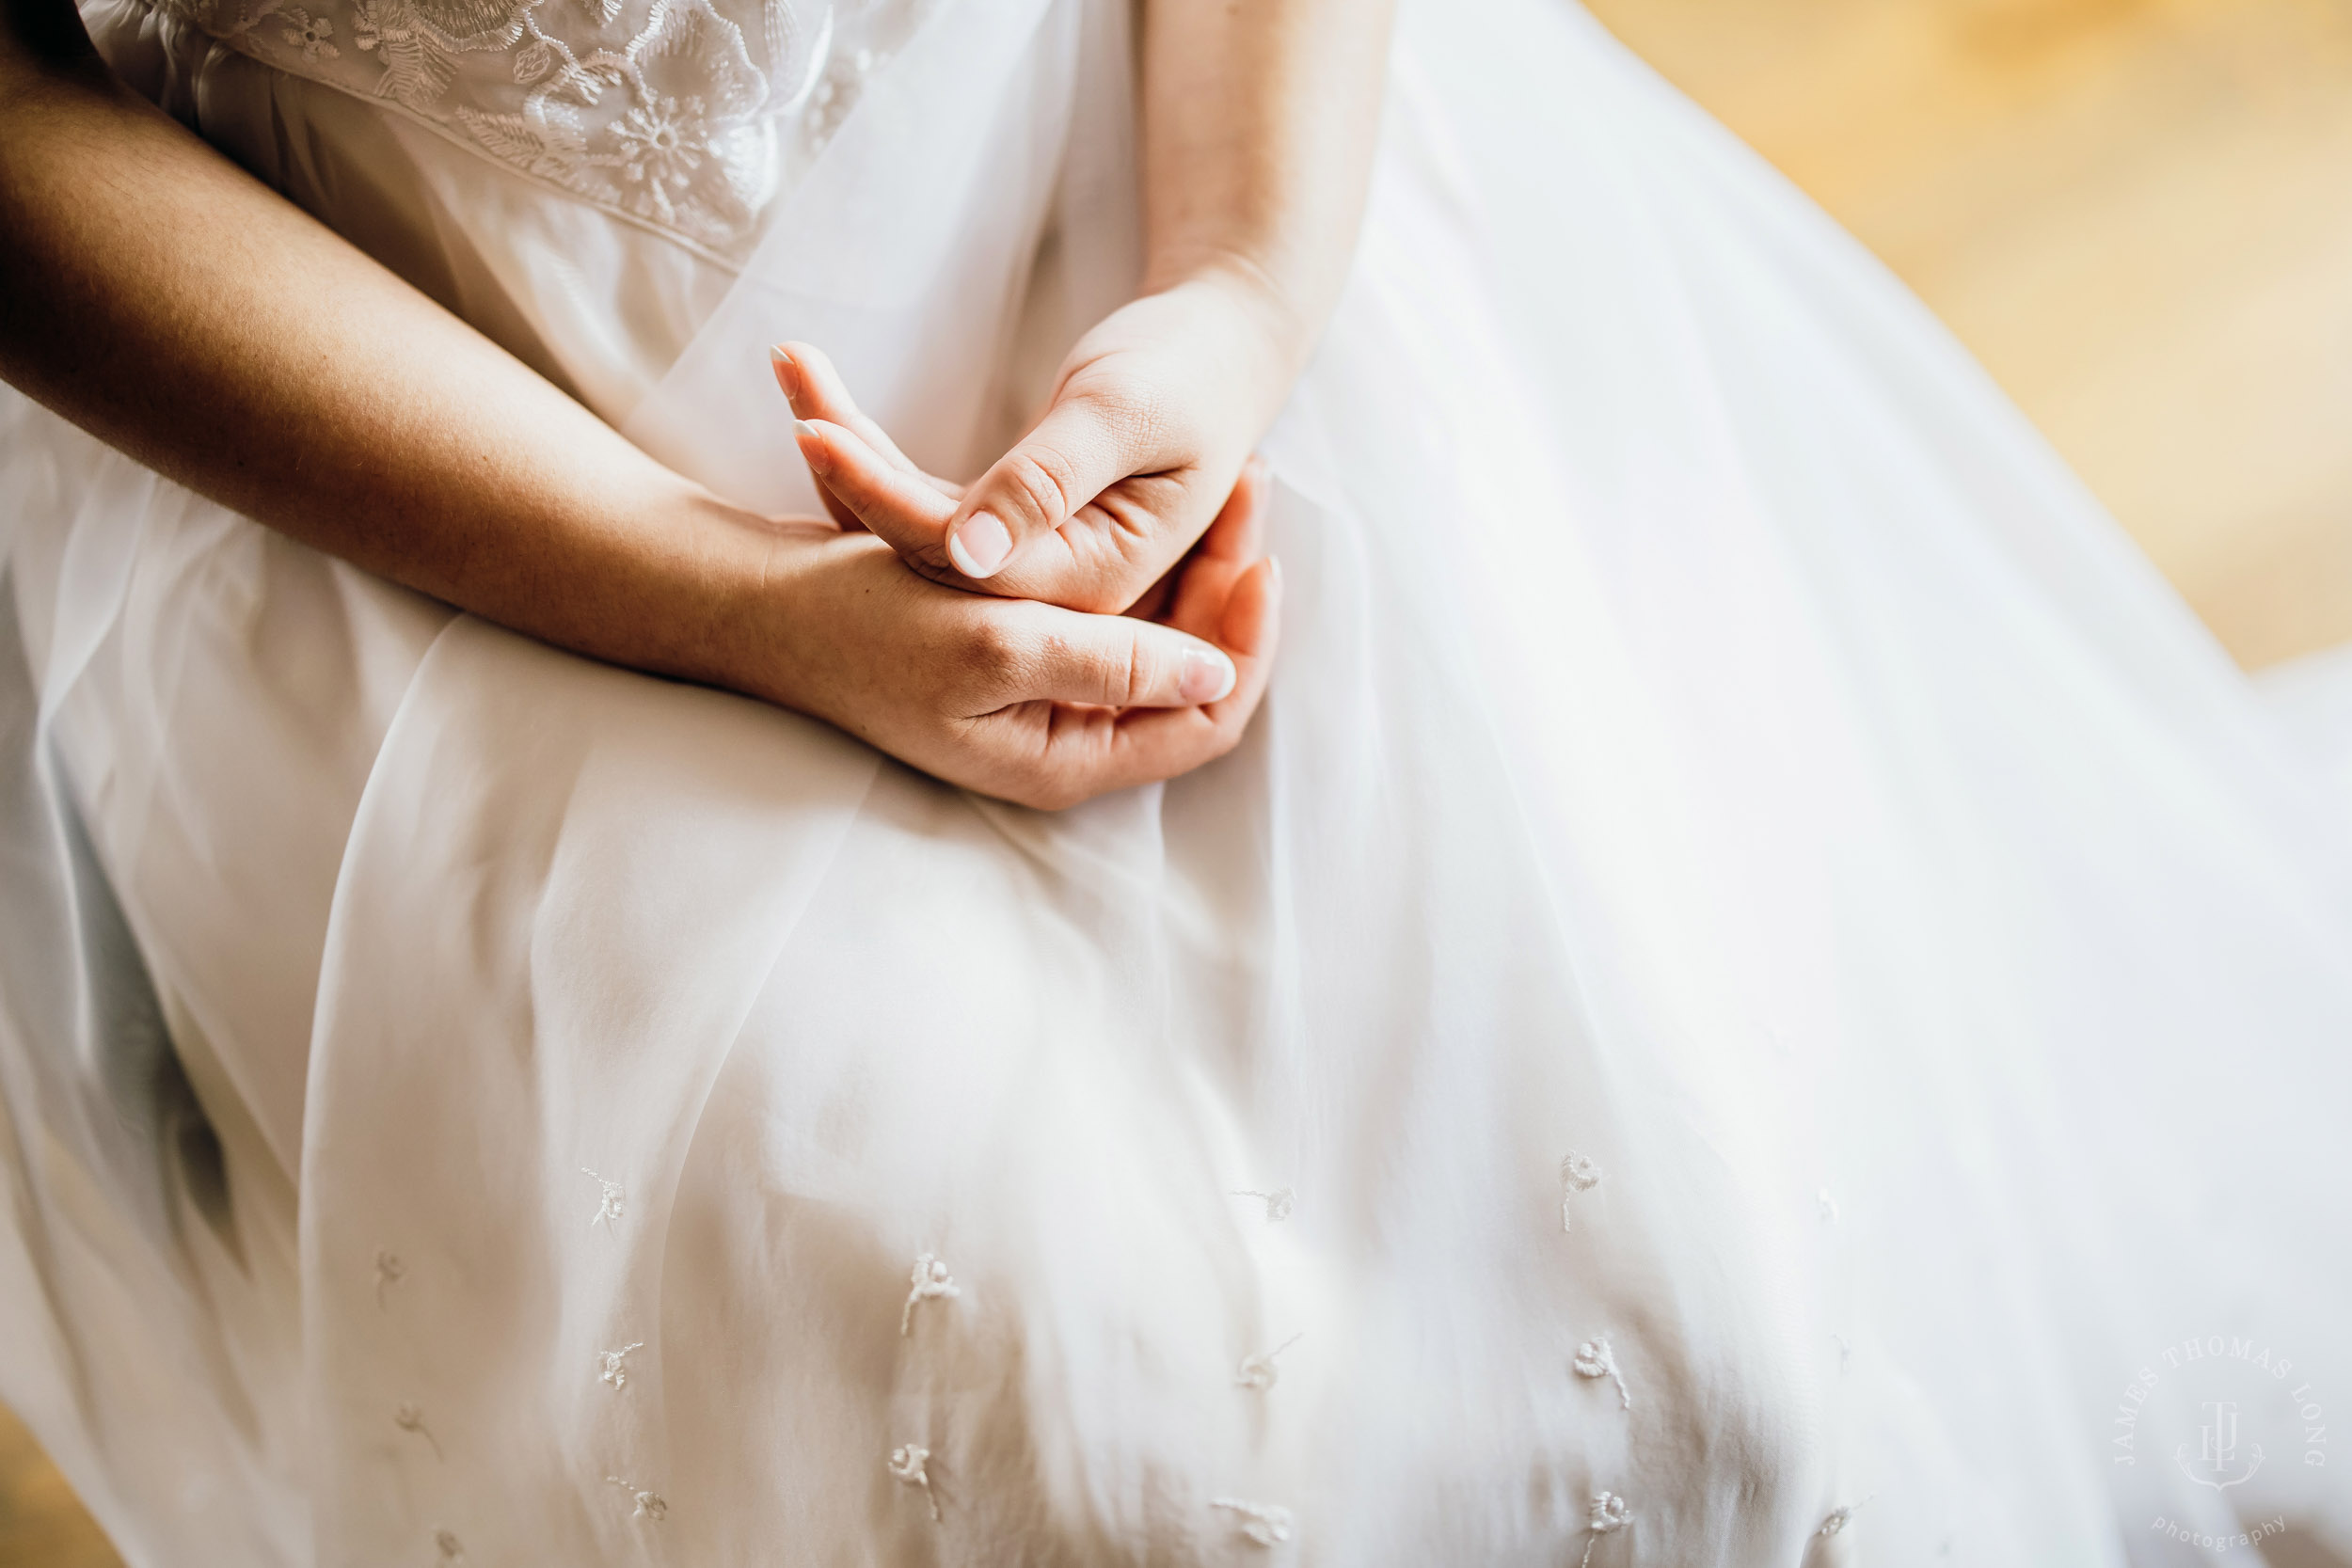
x,y
1153,415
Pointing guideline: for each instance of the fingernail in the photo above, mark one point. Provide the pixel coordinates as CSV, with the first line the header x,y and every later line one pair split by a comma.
x,y
776,355
1208,676
814,452
979,546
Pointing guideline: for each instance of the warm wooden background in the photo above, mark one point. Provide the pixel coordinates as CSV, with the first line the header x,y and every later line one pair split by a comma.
x,y
2138,214
40,1523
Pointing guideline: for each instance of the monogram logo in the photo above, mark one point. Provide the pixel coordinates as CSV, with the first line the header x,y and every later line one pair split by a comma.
x,y
2217,1454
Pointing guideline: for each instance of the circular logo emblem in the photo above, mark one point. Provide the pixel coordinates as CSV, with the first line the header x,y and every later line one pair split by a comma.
x,y
2216,1410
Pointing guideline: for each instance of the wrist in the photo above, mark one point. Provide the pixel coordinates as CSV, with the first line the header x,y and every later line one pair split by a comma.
x,y
1240,342
727,577
1281,319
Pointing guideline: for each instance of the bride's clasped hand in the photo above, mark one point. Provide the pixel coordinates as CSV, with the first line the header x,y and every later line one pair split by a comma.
x,y
1116,622
1033,701
1152,418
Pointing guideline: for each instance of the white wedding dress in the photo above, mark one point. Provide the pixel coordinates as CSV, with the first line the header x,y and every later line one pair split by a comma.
x,y
1756,980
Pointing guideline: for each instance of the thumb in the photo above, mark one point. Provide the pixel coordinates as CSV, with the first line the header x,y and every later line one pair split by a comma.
x,y
1119,661
1084,444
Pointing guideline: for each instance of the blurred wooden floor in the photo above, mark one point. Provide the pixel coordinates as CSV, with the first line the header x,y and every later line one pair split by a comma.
x,y
2137,212
40,1523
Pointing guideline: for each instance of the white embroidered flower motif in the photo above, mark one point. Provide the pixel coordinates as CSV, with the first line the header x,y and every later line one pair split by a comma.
x,y
612,1201
1839,1517
1258,1371
550,144
1263,1523
908,1463
389,1270
446,1543
661,144
307,33
533,63
1595,1360
1609,1514
1579,1173
663,110
410,1418
688,151
614,1372
931,1281
1278,1203
649,1504
418,64
1827,1205
374,22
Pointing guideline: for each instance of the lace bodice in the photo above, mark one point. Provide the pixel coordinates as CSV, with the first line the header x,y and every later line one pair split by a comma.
x,y
681,115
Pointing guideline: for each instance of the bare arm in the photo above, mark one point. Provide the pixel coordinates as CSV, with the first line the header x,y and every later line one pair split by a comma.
x,y
144,294
1259,120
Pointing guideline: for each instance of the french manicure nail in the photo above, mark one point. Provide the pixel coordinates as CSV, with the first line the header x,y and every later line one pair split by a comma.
x,y
811,442
776,355
979,546
1208,676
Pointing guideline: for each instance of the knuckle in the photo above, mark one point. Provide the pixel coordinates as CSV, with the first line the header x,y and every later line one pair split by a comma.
x,y
993,653
1132,677
1040,480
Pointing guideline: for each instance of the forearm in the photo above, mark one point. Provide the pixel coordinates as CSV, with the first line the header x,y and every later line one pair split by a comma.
x,y
163,299
1259,121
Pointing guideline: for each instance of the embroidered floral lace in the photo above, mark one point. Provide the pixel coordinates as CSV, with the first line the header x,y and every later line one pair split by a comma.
x,y
679,113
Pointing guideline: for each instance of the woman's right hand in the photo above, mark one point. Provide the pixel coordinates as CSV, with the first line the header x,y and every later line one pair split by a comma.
x,y
1027,701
